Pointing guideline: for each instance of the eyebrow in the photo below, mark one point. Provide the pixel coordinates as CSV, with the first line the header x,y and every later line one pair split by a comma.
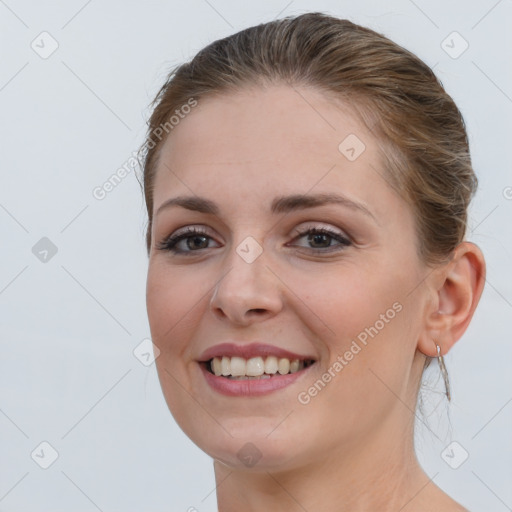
x,y
281,204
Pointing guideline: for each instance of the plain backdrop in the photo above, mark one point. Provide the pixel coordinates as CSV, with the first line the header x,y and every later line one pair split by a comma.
x,y
73,267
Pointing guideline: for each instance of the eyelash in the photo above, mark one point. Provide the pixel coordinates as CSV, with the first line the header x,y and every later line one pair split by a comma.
x,y
169,243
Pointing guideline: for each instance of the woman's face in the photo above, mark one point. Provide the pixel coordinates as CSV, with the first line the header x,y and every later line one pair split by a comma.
x,y
257,283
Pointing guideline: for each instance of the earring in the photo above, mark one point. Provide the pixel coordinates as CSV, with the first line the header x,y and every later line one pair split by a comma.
x,y
440,361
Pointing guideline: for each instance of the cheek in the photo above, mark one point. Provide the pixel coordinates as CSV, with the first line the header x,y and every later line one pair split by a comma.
x,y
367,357
171,300
370,327
172,303
353,299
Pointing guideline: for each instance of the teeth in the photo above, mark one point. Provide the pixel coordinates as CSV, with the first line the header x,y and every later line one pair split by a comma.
x,y
225,365
217,366
255,367
283,366
271,365
239,368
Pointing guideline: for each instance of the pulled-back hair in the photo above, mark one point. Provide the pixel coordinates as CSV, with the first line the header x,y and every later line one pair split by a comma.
x,y
426,150
418,126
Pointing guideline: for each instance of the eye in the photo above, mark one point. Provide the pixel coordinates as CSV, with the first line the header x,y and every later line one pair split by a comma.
x,y
194,240
320,239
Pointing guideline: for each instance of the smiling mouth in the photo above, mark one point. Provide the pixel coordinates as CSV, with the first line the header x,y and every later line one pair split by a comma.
x,y
255,368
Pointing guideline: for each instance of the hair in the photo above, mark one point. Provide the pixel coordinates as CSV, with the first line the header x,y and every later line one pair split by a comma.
x,y
422,133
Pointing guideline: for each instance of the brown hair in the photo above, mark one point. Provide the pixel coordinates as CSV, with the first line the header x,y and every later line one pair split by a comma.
x,y
396,94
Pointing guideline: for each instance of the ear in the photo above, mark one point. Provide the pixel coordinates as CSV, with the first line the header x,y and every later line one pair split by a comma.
x,y
456,289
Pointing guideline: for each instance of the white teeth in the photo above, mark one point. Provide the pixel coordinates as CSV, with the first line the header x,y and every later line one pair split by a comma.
x,y
255,367
238,368
271,365
283,366
226,365
217,366
294,366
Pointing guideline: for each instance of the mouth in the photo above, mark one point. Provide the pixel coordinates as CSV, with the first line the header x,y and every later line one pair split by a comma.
x,y
251,370
255,368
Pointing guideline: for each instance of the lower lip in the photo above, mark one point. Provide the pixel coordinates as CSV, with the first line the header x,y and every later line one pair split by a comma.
x,y
250,387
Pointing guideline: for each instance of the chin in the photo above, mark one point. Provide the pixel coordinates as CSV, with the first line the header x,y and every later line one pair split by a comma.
x,y
249,444
256,456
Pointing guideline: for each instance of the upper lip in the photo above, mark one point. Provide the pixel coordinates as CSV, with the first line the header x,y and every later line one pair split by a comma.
x,y
249,350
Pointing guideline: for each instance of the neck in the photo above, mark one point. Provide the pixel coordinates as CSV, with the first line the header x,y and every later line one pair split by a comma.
x,y
377,472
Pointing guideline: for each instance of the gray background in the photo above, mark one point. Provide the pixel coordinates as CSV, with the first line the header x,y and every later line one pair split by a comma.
x,y
70,323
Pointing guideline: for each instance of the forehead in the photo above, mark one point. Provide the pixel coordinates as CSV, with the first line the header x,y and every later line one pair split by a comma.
x,y
278,137
281,121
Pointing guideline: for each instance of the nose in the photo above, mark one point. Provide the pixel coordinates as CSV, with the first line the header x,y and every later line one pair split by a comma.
x,y
247,292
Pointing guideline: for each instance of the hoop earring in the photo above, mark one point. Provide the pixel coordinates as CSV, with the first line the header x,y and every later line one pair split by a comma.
x,y
444,372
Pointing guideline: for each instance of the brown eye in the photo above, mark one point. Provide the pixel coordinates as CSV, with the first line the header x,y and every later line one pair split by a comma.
x,y
194,239
322,238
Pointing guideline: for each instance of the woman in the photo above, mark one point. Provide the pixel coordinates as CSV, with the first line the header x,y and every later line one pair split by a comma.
x,y
307,184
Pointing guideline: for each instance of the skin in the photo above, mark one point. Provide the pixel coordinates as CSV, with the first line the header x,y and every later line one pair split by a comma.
x,y
351,447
